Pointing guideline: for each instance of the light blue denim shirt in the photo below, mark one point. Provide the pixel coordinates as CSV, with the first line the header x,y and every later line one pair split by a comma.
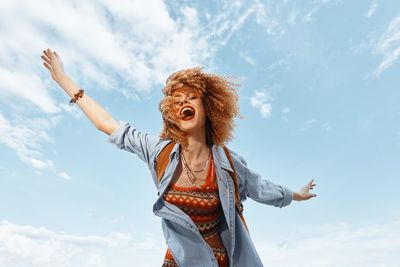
x,y
182,236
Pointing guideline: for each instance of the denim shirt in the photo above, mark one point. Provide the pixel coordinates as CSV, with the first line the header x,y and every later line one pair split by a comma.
x,y
182,236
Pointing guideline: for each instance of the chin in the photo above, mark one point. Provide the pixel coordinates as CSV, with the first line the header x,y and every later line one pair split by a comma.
x,y
190,126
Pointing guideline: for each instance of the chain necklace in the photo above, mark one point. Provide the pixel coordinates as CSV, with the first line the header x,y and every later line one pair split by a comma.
x,y
187,165
189,172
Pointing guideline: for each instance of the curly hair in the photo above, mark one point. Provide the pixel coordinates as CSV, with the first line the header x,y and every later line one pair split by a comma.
x,y
219,97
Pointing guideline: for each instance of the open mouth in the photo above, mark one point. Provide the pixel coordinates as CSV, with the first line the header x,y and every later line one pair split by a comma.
x,y
187,113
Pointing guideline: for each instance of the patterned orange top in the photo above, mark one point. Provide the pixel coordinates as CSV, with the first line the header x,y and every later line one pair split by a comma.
x,y
204,207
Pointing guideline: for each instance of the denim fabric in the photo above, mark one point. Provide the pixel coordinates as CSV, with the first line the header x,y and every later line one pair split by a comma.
x,y
181,234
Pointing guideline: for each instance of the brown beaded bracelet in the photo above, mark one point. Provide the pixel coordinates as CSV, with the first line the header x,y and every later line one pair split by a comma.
x,y
76,97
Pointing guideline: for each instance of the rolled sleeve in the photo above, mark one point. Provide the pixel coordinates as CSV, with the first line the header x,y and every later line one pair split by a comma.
x,y
128,138
260,189
287,196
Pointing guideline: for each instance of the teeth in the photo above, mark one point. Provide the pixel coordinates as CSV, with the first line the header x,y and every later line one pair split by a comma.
x,y
183,110
187,112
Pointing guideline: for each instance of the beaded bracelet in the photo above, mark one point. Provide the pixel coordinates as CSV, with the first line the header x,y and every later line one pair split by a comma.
x,y
76,97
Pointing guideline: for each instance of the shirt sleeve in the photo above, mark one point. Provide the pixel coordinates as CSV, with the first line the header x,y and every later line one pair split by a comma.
x,y
127,137
252,185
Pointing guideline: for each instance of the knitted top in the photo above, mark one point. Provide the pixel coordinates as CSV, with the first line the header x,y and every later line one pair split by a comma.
x,y
204,207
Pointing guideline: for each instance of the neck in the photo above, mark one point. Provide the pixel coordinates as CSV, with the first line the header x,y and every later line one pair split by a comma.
x,y
197,149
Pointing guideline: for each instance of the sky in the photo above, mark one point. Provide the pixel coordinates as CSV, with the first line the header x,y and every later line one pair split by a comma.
x,y
319,95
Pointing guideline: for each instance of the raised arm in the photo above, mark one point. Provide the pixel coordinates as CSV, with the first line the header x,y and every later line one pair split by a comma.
x,y
100,118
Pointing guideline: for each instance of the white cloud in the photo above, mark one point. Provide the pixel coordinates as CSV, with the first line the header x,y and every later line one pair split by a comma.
x,y
292,16
64,175
315,6
246,57
117,219
25,137
261,101
322,245
25,245
28,87
388,46
283,63
372,9
335,245
229,20
267,18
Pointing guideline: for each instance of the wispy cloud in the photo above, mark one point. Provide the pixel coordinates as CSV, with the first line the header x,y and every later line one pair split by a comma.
x,y
24,85
307,124
327,126
372,9
388,46
64,175
26,245
293,16
335,245
315,6
283,63
285,112
261,100
25,137
220,27
246,57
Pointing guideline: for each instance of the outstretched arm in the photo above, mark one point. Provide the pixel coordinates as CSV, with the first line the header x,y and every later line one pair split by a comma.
x,y
100,118
262,190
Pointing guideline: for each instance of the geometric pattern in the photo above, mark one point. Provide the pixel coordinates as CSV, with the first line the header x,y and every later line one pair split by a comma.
x,y
203,206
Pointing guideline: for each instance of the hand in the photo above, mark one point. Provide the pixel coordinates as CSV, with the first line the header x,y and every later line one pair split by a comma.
x,y
304,193
53,63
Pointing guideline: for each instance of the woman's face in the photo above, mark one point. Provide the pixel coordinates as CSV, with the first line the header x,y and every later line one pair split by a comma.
x,y
190,112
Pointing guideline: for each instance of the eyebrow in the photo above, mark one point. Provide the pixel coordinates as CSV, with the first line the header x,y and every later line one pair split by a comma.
x,y
181,94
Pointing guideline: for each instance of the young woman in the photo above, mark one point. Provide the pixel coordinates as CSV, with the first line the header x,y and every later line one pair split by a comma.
x,y
196,191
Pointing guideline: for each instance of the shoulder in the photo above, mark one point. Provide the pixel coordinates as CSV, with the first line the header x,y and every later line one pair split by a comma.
x,y
236,157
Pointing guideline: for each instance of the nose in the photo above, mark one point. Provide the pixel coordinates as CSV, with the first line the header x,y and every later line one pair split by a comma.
x,y
185,100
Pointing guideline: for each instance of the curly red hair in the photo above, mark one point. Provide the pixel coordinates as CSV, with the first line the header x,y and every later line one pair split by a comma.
x,y
219,97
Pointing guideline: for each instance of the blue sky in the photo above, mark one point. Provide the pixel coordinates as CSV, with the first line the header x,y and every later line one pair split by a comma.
x,y
319,93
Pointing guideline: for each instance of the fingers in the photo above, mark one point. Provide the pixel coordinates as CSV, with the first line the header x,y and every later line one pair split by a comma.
x,y
46,59
47,52
47,66
312,187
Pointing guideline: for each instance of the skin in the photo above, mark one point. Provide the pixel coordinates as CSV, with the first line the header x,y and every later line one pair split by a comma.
x,y
196,152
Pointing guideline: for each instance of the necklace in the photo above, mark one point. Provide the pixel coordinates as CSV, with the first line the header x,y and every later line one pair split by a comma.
x,y
187,165
189,172
190,175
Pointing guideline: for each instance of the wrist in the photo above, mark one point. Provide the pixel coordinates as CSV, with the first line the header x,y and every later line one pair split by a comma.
x,y
61,79
297,196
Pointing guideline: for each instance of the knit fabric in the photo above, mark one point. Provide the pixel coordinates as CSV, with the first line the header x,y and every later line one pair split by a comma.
x,y
204,207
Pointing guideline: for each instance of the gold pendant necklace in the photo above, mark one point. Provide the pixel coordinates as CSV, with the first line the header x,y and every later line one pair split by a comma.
x,y
187,165
189,172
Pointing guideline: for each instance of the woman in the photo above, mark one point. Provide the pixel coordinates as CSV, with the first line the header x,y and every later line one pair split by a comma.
x,y
196,192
